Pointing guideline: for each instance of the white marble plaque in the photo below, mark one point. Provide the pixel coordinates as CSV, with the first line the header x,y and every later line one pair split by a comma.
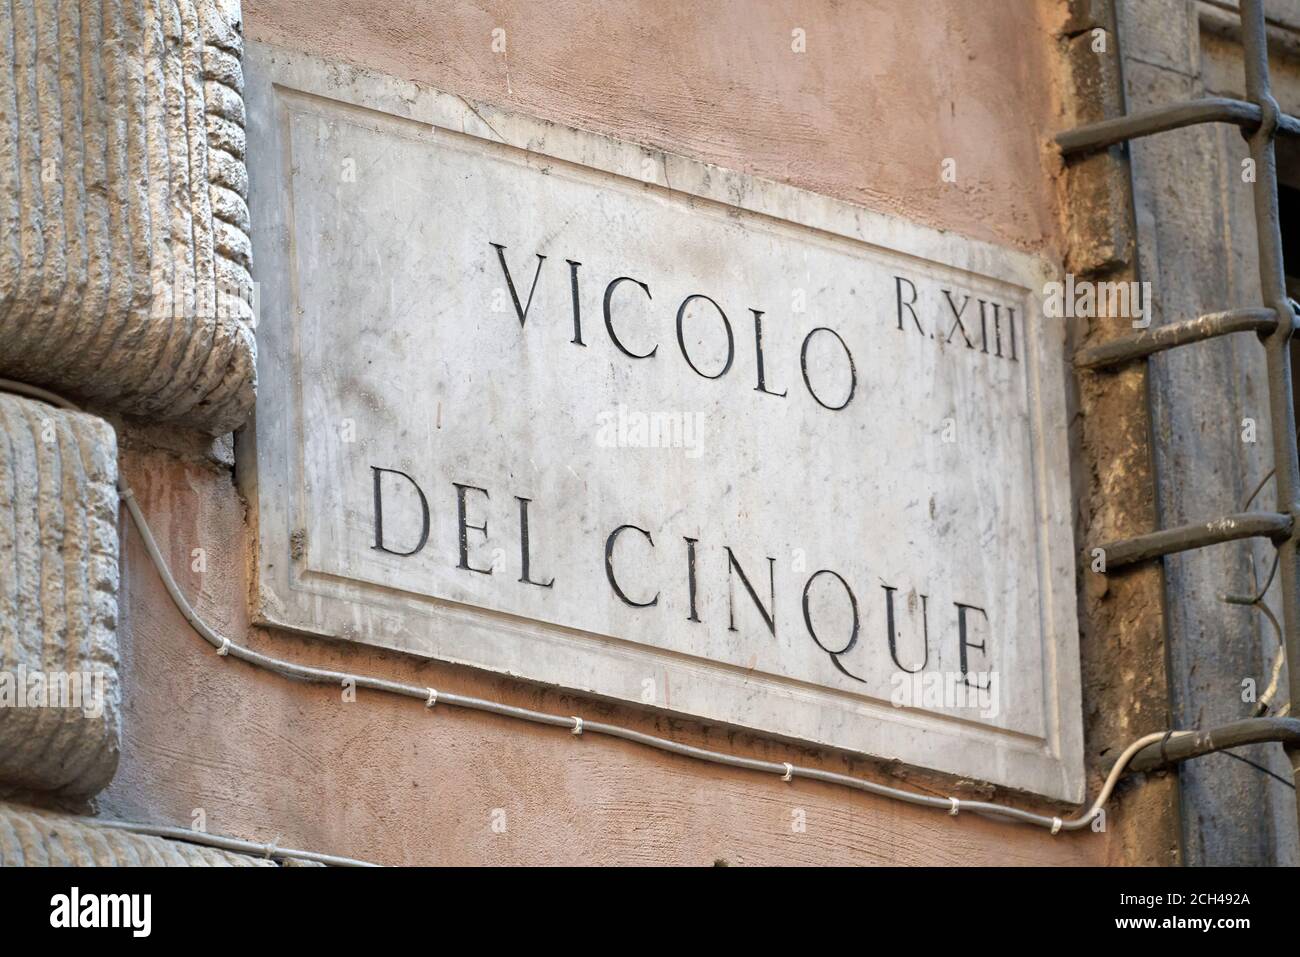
x,y
557,406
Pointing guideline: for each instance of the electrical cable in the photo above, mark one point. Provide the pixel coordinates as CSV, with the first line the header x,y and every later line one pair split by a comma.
x,y
1257,602
223,842
432,697
1260,768
228,648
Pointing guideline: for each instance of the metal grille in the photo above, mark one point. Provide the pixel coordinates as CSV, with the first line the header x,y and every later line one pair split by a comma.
x,y
1260,120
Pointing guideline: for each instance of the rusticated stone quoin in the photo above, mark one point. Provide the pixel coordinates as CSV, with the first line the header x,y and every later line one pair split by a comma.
x,y
60,726
124,249
30,838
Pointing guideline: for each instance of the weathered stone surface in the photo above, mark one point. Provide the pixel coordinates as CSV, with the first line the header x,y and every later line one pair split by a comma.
x,y
1082,15
1100,235
31,838
1196,238
1122,649
124,249
59,711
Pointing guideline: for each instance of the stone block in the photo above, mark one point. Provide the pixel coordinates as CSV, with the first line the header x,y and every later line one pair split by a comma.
x,y
60,725
124,247
31,838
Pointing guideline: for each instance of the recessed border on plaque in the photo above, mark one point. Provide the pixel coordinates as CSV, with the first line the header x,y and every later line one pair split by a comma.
x,y
288,595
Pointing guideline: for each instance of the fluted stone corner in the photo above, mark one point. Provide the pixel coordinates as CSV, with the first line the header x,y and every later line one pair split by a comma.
x,y
30,838
60,717
124,230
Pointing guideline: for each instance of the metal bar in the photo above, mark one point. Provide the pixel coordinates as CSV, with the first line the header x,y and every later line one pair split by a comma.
x,y
1142,344
1168,541
1260,119
1277,347
1214,109
1182,745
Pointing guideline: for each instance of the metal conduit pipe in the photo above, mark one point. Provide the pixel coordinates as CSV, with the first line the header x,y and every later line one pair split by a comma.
x,y
1277,345
1150,341
1096,136
1169,541
1178,746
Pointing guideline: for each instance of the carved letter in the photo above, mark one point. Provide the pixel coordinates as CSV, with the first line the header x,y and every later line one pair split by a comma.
x,y
898,294
462,527
853,372
577,309
609,318
609,566
521,311
893,632
681,336
956,318
767,613
758,349
963,643
523,545
853,635
379,513
690,575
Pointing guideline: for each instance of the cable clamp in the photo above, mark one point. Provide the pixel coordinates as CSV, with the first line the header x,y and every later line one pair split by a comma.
x,y
1056,825
956,806
270,849
225,647
789,771
577,725
1164,755
432,699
